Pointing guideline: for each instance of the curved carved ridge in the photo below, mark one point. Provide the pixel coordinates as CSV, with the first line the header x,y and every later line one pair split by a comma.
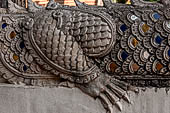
x,y
133,41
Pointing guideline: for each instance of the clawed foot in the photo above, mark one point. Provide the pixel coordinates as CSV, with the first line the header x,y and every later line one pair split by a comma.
x,y
110,91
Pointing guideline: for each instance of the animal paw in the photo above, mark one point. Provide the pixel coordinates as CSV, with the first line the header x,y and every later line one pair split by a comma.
x,y
109,90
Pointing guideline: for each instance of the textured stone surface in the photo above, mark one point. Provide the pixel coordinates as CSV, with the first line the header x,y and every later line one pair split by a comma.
x,y
19,99
148,101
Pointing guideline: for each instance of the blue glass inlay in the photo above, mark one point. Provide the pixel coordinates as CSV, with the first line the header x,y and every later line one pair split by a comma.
x,y
169,53
25,68
22,45
156,16
158,40
123,27
124,55
4,25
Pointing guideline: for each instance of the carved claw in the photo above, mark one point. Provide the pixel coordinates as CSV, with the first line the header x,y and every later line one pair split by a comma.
x,y
107,104
110,91
119,92
114,99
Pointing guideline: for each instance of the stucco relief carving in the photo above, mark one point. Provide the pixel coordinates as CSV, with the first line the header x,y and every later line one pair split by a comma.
x,y
103,50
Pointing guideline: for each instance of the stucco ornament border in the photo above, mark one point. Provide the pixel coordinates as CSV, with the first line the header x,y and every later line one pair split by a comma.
x,y
103,50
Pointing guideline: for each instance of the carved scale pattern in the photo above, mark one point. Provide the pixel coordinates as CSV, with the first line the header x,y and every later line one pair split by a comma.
x,y
15,57
142,48
90,46
60,42
63,41
59,46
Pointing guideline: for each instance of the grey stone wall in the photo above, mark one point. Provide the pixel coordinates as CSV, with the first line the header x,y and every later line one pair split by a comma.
x,y
19,99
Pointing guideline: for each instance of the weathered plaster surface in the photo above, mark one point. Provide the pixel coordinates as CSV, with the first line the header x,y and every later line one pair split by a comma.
x,y
20,99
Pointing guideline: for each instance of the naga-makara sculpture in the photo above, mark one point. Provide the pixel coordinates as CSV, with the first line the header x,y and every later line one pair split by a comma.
x,y
92,47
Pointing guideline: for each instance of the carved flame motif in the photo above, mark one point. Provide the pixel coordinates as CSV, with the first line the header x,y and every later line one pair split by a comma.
x,y
92,47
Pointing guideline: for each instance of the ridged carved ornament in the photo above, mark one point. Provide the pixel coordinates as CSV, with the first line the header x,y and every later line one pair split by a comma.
x,y
103,50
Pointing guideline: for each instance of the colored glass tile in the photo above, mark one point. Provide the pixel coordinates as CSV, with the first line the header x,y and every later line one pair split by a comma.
x,y
22,45
15,57
113,67
145,28
135,67
124,55
12,34
168,24
169,52
156,16
134,42
158,39
159,66
146,55
123,27
4,25
25,68
133,17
